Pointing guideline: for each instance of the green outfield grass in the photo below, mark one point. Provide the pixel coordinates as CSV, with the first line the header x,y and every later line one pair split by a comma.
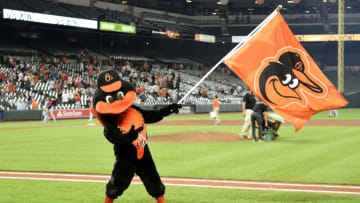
x,y
33,191
313,155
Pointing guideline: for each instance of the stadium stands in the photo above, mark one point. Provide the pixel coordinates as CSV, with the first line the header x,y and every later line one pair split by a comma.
x,y
47,79
163,73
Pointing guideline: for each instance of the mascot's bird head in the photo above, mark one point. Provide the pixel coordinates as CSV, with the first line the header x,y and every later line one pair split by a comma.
x,y
285,78
113,95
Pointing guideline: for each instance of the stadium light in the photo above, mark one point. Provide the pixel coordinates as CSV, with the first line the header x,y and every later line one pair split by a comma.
x,y
223,2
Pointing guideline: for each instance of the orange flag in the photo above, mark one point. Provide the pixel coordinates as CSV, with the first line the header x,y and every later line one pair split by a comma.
x,y
280,72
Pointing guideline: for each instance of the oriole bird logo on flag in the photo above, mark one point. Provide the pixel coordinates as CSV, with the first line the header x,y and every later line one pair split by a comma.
x,y
280,72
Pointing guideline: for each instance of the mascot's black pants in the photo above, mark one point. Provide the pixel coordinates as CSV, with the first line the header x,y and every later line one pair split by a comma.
x,y
125,168
256,117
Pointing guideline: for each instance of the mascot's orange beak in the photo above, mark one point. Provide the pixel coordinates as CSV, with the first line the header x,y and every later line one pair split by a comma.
x,y
117,106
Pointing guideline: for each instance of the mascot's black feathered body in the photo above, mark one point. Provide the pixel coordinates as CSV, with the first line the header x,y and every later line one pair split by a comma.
x,y
124,126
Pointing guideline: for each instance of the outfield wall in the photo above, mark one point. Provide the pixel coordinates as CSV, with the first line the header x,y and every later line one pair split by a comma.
x,y
14,115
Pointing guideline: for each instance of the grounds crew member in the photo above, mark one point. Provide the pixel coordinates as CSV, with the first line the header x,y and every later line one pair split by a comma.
x,y
124,126
248,104
259,117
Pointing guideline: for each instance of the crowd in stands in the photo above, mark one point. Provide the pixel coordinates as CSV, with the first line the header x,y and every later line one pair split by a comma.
x,y
71,83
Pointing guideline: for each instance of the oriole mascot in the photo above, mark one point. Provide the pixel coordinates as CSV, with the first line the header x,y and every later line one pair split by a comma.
x,y
125,127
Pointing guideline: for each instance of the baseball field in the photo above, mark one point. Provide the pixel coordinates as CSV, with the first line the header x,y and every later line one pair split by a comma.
x,y
70,161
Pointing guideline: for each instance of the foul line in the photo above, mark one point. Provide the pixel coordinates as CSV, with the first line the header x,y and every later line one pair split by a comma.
x,y
167,181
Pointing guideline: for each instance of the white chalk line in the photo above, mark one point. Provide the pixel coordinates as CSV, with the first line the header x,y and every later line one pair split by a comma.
x,y
137,181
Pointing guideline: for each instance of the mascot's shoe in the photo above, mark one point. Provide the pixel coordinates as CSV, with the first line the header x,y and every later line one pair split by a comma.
x,y
160,199
108,200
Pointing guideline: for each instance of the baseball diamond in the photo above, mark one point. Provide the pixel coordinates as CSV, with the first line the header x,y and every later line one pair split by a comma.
x,y
179,101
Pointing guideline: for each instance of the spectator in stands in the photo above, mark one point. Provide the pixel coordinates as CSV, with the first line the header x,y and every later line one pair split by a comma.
x,y
153,79
34,104
11,99
65,96
174,96
13,63
1,77
137,90
11,87
52,84
21,105
142,98
36,78
77,101
54,74
65,76
142,89
163,92
248,104
28,102
216,109
27,83
42,69
57,85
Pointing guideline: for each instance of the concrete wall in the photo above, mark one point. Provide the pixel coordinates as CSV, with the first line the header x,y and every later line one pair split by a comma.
x,y
15,115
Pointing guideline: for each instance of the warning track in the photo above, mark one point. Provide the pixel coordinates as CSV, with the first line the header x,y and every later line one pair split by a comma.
x,y
189,182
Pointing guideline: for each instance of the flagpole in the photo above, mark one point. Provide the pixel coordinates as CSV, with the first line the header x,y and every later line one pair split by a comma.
x,y
237,47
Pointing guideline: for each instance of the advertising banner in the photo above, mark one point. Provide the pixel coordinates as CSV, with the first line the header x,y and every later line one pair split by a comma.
x,y
115,27
238,39
205,38
328,37
71,113
48,19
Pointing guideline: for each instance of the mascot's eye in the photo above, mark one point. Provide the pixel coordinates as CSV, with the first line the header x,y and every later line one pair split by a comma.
x,y
287,79
109,99
120,95
294,84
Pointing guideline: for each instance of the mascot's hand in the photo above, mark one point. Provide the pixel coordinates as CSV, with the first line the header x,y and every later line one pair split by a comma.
x,y
133,134
169,109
